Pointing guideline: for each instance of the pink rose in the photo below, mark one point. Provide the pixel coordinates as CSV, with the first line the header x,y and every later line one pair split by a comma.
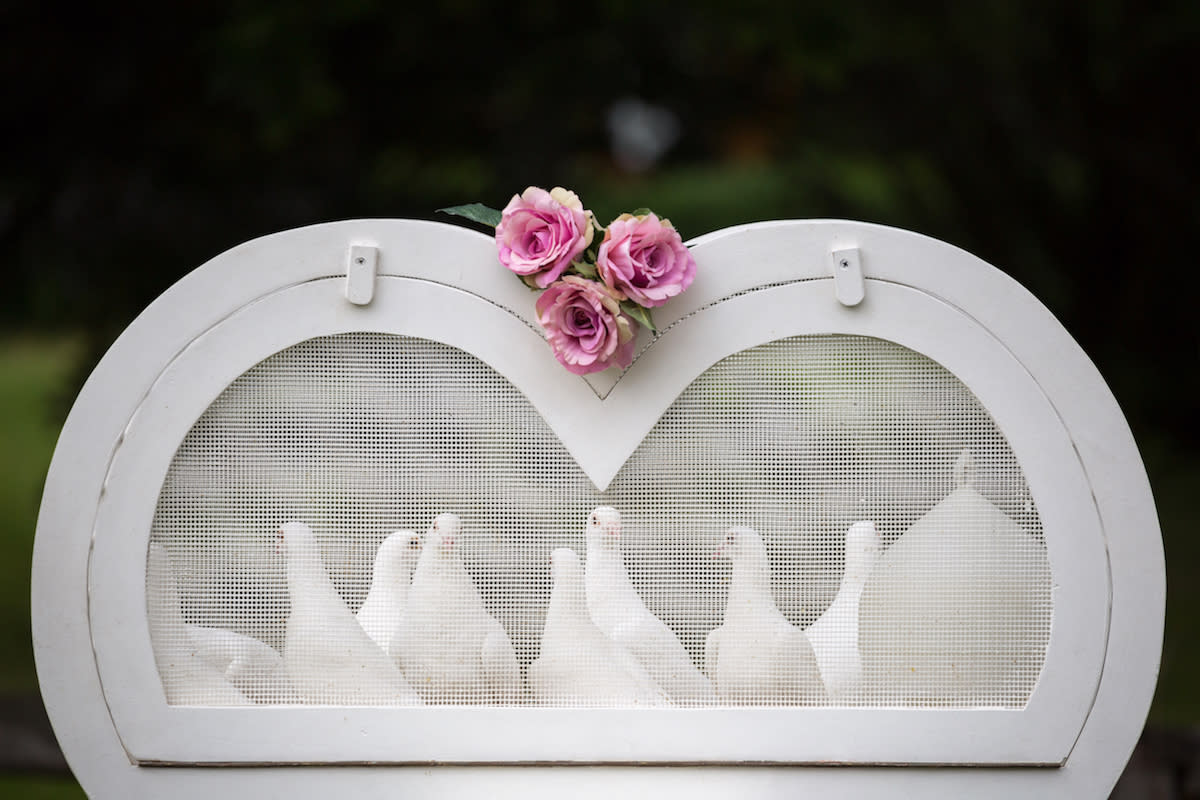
x,y
541,233
585,326
643,259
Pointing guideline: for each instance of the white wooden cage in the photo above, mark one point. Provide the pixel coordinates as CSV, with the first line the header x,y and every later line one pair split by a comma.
x,y
932,505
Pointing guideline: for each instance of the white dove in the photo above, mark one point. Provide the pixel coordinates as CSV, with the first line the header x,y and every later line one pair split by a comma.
x,y
388,595
187,679
834,635
329,657
448,645
757,657
578,664
619,612
251,665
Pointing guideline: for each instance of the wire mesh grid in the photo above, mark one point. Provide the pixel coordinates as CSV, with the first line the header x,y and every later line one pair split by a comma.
x,y
822,520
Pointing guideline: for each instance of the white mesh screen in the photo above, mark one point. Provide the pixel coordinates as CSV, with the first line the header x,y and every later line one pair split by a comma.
x,y
945,602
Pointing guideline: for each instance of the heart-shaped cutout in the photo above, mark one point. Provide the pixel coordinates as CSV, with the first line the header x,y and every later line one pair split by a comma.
x,y
359,434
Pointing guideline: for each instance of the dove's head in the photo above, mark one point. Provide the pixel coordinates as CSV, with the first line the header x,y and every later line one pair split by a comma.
x,y
398,551
564,565
739,541
291,537
444,533
863,547
604,528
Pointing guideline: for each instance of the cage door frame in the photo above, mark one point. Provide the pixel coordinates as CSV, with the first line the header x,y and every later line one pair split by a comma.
x,y
1041,733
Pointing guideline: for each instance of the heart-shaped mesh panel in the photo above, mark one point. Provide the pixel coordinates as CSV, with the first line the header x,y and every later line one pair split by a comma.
x,y
809,448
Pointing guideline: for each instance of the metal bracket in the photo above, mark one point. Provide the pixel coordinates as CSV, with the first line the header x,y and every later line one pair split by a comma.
x,y
360,273
848,282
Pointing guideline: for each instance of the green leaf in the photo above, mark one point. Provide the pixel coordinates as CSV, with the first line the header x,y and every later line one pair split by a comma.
x,y
476,212
639,314
641,212
585,269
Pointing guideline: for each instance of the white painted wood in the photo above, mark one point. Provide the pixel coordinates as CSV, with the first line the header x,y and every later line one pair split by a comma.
x,y
847,275
1042,733
1121,540
361,264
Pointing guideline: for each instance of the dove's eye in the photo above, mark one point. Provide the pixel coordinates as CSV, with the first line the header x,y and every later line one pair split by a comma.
x,y
593,517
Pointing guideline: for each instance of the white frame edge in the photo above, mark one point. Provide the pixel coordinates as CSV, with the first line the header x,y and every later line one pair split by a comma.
x,y
776,252
1042,733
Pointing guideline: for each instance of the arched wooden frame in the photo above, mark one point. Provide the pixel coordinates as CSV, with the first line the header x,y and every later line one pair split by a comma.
x,y
442,282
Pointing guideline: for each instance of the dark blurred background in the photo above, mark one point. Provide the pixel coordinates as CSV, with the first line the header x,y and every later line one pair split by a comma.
x,y
1057,141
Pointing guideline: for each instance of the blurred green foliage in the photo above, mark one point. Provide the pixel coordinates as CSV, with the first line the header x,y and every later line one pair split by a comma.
x,y
33,372
1051,139
40,787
